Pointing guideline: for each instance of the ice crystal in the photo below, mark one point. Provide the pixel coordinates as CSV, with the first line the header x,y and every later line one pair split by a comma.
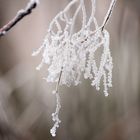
x,y
73,54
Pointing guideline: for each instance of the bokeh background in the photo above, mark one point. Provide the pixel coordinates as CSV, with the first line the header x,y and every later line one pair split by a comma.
x,y
26,102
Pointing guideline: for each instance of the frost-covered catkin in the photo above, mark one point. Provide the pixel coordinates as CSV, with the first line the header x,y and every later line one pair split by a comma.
x,y
55,115
73,54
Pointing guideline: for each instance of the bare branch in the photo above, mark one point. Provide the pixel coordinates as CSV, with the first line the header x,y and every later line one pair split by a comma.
x,y
108,15
19,16
59,79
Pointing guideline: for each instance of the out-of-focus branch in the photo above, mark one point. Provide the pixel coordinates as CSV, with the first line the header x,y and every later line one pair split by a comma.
x,y
19,16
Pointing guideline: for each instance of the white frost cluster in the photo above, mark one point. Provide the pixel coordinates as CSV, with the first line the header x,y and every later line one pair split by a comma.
x,y
55,115
73,53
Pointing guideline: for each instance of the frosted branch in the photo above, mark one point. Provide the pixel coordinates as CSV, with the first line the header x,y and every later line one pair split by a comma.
x,y
19,16
71,54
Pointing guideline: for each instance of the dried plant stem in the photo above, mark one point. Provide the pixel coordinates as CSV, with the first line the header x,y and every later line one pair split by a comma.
x,y
19,16
108,15
57,85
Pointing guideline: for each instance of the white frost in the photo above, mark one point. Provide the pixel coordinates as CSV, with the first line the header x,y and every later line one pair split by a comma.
x,y
74,53
55,115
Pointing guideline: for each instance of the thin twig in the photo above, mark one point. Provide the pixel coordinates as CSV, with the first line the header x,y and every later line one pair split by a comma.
x,y
57,85
108,15
20,15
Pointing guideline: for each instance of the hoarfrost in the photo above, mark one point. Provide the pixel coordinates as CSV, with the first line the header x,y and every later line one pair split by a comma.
x,y
73,53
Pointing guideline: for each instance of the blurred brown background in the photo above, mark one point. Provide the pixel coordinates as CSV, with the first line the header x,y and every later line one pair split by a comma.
x,y
26,102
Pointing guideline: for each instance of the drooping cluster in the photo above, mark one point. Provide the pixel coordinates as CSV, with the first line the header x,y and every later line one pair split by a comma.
x,y
72,54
